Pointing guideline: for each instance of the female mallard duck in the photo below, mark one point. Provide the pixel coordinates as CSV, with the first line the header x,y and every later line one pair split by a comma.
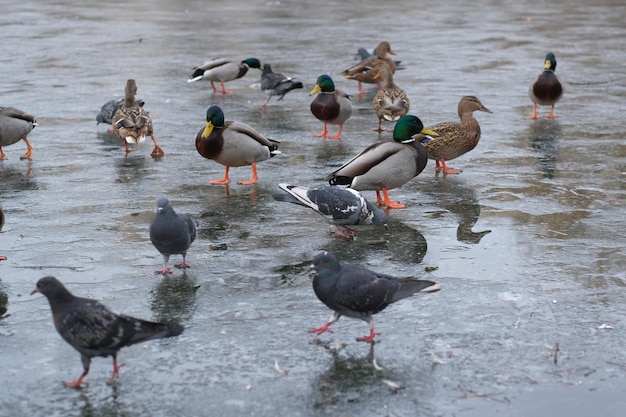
x,y
14,126
233,144
367,70
385,165
546,89
330,106
276,84
132,123
455,138
390,102
223,70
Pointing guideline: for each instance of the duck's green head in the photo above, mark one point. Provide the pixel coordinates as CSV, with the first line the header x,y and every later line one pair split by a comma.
x,y
252,63
550,63
409,126
324,84
214,118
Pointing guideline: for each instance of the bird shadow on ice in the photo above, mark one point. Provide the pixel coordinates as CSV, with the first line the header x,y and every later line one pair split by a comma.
x,y
544,136
402,242
352,379
461,201
174,298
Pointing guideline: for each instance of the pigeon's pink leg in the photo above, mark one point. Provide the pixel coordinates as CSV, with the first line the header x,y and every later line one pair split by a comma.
x,y
324,328
371,336
79,381
163,271
116,369
183,264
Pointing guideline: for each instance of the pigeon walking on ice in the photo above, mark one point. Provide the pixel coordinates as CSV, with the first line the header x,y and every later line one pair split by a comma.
x,y
93,330
276,84
357,292
171,234
342,207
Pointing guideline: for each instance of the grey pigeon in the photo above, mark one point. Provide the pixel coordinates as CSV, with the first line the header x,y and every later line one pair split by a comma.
x,y
14,126
276,84
171,234
342,207
357,292
110,108
93,330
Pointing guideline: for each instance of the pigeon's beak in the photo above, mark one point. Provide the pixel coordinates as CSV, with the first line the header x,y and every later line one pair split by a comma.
x,y
34,291
159,209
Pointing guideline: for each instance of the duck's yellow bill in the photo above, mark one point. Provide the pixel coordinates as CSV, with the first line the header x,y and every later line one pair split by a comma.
x,y
207,130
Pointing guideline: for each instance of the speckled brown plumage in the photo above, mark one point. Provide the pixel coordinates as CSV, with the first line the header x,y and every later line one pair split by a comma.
x,y
390,102
367,71
132,123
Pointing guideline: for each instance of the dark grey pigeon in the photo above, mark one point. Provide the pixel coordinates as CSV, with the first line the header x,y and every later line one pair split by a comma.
x,y
357,292
276,84
342,207
171,234
110,108
93,330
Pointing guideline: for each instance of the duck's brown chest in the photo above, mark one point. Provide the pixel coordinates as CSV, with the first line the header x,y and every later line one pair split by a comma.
x,y
211,146
325,106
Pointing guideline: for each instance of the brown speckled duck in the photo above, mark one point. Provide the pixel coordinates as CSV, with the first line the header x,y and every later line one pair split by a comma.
x,y
14,126
367,70
546,89
390,102
330,106
455,138
132,123
233,144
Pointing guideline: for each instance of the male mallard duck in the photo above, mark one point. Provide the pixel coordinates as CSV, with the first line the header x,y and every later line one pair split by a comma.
x,y
233,144
390,102
386,164
14,126
223,70
276,84
455,138
366,71
546,89
132,123
330,106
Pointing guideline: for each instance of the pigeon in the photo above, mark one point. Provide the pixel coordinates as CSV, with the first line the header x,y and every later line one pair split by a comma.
x,y
111,107
357,292
276,84
93,330
171,234
14,126
342,207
